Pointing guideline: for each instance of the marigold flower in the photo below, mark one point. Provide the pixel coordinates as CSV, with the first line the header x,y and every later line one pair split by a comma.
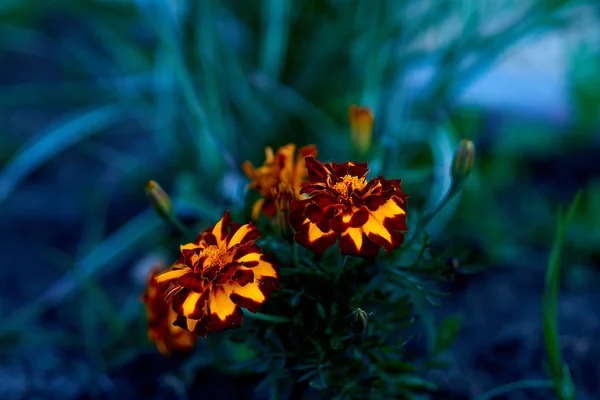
x,y
361,124
277,168
222,271
161,331
342,204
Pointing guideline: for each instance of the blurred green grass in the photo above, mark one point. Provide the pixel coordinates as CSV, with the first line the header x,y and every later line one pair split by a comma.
x,y
184,91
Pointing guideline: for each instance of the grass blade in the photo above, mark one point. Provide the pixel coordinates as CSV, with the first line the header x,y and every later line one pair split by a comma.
x,y
563,384
53,141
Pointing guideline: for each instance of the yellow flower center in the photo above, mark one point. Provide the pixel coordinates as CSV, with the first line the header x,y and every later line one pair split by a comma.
x,y
215,256
348,184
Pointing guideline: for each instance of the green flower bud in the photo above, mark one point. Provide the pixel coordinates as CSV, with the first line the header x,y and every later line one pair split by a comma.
x,y
159,200
463,160
358,321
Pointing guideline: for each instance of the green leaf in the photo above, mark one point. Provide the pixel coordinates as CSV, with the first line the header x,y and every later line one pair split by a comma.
x,y
54,140
415,382
560,375
321,311
447,332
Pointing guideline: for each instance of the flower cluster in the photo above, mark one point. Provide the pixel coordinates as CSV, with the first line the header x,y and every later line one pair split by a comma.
x,y
317,204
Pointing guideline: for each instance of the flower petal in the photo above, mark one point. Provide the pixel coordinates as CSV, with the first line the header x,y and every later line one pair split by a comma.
x,y
224,313
221,228
249,296
243,276
354,241
171,276
190,304
310,236
316,170
193,325
243,235
256,208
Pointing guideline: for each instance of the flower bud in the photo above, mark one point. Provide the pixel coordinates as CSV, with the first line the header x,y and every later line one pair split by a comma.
x,y
159,200
361,125
358,321
463,160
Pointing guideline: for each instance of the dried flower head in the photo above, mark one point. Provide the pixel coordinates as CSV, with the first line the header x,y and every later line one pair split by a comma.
x,y
222,271
281,167
161,331
342,205
283,196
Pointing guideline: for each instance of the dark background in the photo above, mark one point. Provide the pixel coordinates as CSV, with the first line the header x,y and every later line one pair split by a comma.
x,y
98,97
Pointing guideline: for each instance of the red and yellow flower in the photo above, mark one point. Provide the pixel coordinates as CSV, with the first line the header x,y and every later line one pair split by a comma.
x,y
222,271
342,205
280,168
161,331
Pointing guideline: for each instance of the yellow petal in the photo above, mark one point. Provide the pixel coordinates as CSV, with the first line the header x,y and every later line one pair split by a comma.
x,y
220,304
172,275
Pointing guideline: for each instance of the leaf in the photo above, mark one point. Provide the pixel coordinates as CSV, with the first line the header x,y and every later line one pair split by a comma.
x,y
559,372
54,140
447,332
415,382
308,375
321,311
98,261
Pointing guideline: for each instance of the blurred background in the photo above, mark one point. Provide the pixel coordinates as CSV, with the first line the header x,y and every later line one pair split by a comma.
x,y
99,96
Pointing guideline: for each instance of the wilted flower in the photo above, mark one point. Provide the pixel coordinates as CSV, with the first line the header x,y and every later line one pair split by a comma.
x,y
161,331
277,168
463,160
361,125
283,195
342,204
222,271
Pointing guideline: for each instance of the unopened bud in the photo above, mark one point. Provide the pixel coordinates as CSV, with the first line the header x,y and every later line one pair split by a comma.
x,y
463,160
361,125
159,200
358,321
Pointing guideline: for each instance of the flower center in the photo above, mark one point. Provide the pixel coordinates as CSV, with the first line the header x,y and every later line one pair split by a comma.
x,y
348,184
214,255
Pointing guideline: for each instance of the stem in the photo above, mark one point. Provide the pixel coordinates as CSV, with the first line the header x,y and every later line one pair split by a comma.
x,y
177,224
515,386
422,224
342,263
295,256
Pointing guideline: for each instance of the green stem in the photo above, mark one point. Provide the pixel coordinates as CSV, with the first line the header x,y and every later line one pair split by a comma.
x,y
515,386
177,224
342,263
422,224
295,256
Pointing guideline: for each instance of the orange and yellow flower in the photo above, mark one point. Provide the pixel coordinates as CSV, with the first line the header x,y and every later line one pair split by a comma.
x,y
342,205
161,331
222,271
279,168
